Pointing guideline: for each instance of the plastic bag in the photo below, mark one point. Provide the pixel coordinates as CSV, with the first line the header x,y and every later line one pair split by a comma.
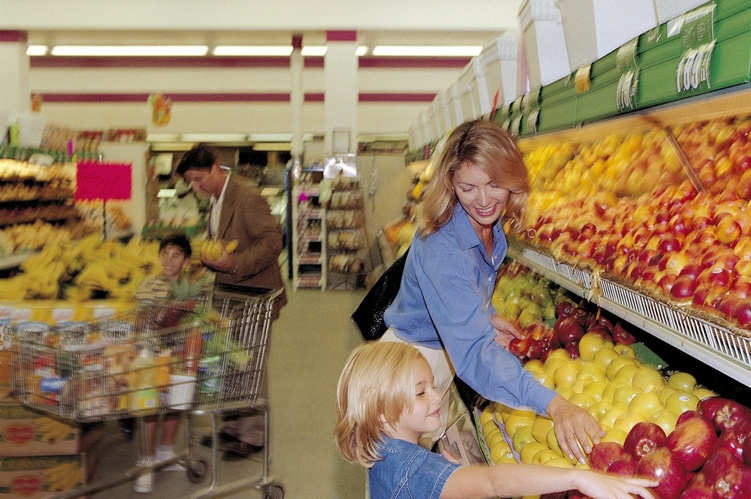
x,y
369,314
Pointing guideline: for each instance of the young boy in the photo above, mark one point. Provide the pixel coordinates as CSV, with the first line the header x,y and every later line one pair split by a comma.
x,y
386,400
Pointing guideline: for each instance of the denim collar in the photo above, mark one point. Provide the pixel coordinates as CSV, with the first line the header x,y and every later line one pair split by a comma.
x,y
466,233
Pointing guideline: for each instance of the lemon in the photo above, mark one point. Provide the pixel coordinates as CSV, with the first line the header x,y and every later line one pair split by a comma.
x,y
529,451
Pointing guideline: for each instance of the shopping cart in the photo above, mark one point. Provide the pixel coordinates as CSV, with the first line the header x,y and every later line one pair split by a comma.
x,y
162,358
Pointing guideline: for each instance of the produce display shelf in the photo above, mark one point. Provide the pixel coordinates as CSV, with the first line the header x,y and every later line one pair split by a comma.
x,y
711,343
541,264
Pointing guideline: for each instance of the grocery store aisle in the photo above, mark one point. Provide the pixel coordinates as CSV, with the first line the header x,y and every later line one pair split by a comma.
x,y
309,344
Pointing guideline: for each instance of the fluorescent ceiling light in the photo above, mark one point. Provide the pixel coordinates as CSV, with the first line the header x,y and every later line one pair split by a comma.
x,y
36,50
272,146
130,50
261,50
361,50
428,50
314,50
163,137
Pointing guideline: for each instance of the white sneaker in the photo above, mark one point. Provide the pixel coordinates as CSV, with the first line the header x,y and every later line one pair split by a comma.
x,y
144,484
163,455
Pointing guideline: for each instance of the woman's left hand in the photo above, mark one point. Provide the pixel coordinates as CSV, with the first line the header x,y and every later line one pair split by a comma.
x,y
504,330
576,430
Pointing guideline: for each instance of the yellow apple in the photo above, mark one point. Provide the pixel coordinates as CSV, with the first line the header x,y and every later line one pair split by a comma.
x,y
579,384
665,393
565,392
500,455
680,402
514,423
583,400
613,414
591,370
552,365
609,392
703,393
589,345
565,375
645,403
605,356
540,429
615,435
530,450
534,365
486,416
682,381
558,353
665,420
625,350
596,388
648,379
544,457
496,440
522,437
599,409
627,421
625,394
617,364
545,379
625,376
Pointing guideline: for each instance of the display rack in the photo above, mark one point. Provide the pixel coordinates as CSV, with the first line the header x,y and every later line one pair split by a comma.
x,y
711,343
346,240
308,236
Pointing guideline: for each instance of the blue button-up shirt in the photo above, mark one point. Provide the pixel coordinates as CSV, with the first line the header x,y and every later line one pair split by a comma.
x,y
408,471
444,302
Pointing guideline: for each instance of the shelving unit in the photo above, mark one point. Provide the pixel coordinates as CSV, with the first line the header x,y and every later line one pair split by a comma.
x,y
711,343
308,237
346,239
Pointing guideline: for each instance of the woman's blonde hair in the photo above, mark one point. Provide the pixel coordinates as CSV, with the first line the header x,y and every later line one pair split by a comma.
x,y
376,385
483,144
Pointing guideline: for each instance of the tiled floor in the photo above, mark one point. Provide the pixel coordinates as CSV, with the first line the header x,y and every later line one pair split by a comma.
x,y
310,342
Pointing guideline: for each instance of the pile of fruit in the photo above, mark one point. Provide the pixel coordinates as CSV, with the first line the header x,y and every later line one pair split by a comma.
x,y
624,206
707,455
84,269
608,381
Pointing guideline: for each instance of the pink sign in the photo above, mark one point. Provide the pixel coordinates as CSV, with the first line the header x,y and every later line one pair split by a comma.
x,y
103,181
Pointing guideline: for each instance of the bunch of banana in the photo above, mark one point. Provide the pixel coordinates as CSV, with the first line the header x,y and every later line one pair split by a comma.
x,y
213,249
52,431
63,476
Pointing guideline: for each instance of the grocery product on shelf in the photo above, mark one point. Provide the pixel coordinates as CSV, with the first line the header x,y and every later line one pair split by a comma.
x,y
346,240
630,208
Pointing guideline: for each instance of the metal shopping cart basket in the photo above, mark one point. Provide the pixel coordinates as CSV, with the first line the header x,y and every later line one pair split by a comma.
x,y
162,358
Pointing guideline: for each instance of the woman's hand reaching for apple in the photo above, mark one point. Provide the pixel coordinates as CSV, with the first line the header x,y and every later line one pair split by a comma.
x,y
576,430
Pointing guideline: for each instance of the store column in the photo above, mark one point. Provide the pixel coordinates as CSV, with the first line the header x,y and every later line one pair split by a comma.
x,y
14,85
296,97
340,95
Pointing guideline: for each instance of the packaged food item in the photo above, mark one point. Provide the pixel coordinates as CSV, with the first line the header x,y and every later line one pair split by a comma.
x,y
209,371
193,347
40,476
24,432
143,381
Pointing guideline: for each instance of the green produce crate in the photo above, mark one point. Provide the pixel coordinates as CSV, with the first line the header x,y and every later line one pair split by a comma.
x,y
557,116
600,101
731,65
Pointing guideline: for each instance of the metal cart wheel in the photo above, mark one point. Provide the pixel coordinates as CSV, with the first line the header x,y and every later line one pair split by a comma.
x,y
273,491
196,470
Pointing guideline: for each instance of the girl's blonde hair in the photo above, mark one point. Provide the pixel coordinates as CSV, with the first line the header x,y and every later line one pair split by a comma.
x,y
376,385
483,144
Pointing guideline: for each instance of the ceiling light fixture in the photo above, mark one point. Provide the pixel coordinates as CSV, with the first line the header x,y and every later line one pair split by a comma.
x,y
314,50
36,50
253,50
361,50
130,50
428,50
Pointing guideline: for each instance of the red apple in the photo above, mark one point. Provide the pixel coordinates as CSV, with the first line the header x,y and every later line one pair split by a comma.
x,y
747,451
742,315
573,349
661,465
625,467
691,270
686,415
564,309
643,438
723,413
683,288
567,330
691,442
734,440
732,481
601,330
697,489
606,453
621,336
719,460
519,346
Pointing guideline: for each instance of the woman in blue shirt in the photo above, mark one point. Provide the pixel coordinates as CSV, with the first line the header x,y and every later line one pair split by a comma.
x,y
443,306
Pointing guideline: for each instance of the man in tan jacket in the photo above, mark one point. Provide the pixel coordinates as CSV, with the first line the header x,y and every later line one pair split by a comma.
x,y
238,212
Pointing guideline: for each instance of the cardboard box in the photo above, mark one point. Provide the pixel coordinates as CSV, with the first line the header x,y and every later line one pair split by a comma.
x,y
498,61
594,28
668,9
24,432
544,42
40,476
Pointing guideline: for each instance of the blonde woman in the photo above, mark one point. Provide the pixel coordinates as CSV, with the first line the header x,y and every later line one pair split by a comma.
x,y
386,399
443,306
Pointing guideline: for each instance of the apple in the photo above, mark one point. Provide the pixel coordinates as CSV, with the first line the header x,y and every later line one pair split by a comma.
x,y
573,349
680,402
564,309
624,467
691,442
622,336
686,415
723,413
734,440
732,481
697,489
683,289
606,453
567,330
661,465
718,460
644,438
682,381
